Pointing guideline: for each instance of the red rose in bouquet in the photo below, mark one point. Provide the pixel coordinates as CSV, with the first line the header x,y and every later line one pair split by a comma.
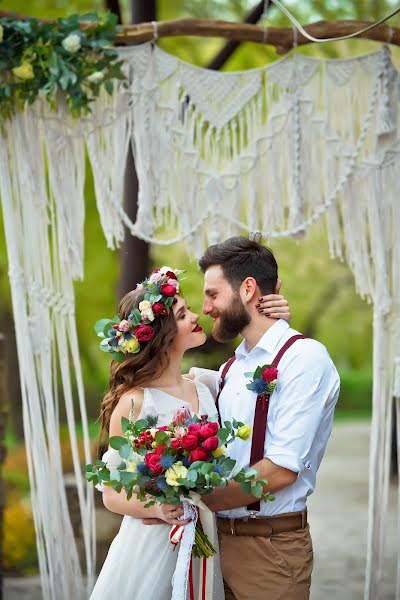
x,y
194,428
168,290
199,454
190,441
159,309
210,443
208,430
144,333
176,445
152,460
269,374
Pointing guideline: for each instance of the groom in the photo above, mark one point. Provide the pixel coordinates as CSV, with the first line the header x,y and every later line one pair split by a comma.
x,y
266,548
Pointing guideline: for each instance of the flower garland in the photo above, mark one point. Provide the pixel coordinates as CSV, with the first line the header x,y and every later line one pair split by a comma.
x,y
120,337
57,59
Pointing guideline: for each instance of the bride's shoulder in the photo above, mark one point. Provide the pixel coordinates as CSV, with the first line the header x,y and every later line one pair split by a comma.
x,y
123,408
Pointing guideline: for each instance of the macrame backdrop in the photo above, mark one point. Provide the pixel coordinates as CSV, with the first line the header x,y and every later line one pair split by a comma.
x,y
274,149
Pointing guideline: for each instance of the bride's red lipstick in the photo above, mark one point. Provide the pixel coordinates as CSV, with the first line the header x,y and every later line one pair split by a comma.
x,y
197,329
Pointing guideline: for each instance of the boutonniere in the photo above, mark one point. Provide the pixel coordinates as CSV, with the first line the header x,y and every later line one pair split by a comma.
x,y
263,380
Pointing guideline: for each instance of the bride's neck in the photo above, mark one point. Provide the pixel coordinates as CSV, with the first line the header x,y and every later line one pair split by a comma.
x,y
172,376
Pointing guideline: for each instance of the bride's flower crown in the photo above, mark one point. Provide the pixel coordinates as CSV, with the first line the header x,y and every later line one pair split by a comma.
x,y
120,337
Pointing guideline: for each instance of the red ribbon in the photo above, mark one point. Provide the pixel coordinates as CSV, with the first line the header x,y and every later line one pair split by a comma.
x,y
191,586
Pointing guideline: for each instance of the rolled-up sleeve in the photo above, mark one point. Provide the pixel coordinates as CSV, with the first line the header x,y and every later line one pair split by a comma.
x,y
307,388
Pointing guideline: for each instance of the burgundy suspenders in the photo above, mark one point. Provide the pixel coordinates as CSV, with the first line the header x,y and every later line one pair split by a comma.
x,y
261,411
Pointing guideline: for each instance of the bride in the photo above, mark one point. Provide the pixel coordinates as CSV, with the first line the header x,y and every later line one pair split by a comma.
x,y
141,562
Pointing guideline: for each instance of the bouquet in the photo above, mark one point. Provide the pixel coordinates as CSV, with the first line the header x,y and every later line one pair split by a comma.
x,y
172,463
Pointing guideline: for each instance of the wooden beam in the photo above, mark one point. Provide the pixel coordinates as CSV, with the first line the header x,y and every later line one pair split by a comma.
x,y
282,38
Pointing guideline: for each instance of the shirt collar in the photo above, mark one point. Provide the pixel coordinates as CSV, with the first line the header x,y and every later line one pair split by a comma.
x,y
268,342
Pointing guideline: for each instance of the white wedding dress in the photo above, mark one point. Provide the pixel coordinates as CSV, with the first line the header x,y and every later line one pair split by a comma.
x,y
141,560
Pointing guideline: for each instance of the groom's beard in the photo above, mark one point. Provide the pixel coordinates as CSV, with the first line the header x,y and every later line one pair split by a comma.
x,y
231,321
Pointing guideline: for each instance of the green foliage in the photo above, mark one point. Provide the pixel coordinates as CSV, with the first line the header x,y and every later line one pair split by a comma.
x,y
57,61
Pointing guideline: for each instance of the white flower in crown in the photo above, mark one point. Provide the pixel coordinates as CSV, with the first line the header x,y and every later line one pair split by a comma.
x,y
124,325
95,77
155,277
144,305
147,314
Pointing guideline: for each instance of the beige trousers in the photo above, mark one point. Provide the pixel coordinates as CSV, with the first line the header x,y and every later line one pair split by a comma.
x,y
267,568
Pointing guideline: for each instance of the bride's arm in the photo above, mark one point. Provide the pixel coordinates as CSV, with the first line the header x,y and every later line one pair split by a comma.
x,y
117,501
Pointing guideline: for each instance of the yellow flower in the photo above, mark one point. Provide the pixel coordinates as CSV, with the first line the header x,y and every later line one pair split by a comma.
x,y
244,432
1,33
221,451
177,471
131,346
24,71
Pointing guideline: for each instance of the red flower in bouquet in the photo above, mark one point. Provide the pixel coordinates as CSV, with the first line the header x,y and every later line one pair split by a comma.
x,y
210,444
152,460
168,290
269,374
176,445
190,441
160,449
208,430
144,333
194,428
199,454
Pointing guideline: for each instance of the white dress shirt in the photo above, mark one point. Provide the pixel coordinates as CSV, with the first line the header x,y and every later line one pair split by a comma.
x,y
300,411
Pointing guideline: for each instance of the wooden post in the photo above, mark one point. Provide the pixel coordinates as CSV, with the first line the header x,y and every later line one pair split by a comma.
x,y
134,253
3,420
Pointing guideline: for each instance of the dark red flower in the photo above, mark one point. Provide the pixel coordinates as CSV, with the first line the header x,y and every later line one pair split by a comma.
x,y
269,374
152,460
170,275
199,454
208,430
144,333
210,443
168,290
190,441
163,428
159,309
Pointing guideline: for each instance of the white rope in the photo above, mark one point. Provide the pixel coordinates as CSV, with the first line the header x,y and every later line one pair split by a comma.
x,y
301,29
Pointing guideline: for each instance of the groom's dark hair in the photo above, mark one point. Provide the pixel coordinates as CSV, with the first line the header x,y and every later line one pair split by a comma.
x,y
241,257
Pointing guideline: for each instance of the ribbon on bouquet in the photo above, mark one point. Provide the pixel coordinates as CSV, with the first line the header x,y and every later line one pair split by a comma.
x,y
186,536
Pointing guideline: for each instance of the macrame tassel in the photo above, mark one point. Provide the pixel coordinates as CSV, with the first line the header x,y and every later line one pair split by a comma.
x,y
386,122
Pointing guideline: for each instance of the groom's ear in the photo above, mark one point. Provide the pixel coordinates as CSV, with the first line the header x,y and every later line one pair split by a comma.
x,y
278,286
248,289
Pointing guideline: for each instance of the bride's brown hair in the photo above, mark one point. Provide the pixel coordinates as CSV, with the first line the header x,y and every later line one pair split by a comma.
x,y
136,369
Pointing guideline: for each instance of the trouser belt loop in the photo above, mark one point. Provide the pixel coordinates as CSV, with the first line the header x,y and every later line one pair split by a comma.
x,y
233,530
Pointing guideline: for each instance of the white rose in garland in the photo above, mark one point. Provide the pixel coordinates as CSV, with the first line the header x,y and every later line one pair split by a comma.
x,y
72,43
96,77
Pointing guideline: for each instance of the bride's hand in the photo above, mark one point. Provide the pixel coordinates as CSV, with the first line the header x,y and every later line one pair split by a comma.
x,y
167,513
274,306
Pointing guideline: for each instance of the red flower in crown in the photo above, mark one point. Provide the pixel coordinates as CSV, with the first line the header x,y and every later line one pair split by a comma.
x,y
168,290
269,374
170,275
159,309
144,333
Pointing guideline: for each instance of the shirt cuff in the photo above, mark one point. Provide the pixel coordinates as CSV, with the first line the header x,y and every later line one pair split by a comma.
x,y
285,459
